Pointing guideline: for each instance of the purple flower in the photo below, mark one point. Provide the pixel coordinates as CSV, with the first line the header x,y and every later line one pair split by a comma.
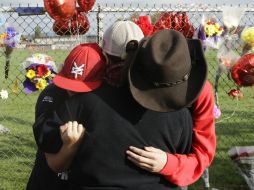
x,y
29,86
216,112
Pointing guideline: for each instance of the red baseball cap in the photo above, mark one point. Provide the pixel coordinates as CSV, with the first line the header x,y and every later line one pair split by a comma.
x,y
83,69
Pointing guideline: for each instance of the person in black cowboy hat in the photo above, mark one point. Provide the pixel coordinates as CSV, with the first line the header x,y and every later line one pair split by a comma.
x,y
115,120
168,73
125,33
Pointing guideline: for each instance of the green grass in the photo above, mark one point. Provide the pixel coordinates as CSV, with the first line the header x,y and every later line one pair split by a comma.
x,y
17,149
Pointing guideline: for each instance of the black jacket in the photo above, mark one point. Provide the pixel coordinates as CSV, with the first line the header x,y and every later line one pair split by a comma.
x,y
113,122
42,177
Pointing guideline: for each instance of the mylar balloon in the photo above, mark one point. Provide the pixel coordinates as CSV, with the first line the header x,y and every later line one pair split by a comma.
x,y
86,5
60,9
78,24
243,71
177,21
62,27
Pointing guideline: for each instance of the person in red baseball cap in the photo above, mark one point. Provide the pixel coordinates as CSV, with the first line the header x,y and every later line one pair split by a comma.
x,y
83,71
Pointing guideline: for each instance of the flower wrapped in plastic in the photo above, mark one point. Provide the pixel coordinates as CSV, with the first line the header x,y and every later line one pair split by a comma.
x,y
247,36
144,22
9,38
40,70
210,33
243,157
227,56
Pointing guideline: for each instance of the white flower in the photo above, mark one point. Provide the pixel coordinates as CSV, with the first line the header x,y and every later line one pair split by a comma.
x,y
4,94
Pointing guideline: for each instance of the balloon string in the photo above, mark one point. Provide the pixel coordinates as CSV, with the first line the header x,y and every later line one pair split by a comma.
x,y
232,114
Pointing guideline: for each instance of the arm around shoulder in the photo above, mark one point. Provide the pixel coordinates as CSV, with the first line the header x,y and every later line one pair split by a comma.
x,y
183,169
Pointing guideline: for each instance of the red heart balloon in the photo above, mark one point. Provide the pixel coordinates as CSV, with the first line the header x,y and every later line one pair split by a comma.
x,y
86,5
61,27
243,71
60,9
176,21
78,24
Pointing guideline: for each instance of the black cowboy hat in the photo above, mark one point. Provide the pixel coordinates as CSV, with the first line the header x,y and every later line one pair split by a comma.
x,y
168,71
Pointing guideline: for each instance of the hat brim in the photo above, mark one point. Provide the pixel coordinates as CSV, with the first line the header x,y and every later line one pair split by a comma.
x,y
74,85
172,98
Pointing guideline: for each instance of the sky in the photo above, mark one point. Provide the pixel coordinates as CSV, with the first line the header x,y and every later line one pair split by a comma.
x,y
40,2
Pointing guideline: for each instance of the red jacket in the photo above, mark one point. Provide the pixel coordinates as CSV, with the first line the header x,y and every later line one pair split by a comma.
x,y
186,169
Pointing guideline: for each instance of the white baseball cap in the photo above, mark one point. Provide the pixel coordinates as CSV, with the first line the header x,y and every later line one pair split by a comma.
x,y
117,36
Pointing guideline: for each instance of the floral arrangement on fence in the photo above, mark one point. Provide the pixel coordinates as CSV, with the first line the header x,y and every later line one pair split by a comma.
x,y
247,36
9,38
227,56
144,22
210,33
39,73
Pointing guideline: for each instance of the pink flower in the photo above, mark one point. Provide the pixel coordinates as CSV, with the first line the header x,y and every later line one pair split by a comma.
x,y
216,112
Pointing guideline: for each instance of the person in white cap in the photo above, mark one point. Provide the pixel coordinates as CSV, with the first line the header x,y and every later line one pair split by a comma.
x,y
119,39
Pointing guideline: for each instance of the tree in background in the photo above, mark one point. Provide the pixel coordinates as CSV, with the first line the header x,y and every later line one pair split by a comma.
x,y
37,32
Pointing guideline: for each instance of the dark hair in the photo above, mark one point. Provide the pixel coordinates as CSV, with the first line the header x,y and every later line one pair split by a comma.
x,y
131,49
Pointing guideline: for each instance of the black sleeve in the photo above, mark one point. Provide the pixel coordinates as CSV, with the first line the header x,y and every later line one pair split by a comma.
x,y
47,121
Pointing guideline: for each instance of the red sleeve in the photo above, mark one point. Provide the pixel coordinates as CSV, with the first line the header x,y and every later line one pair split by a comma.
x,y
184,169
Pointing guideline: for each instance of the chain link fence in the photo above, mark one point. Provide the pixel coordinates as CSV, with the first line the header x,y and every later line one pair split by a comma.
x,y
17,146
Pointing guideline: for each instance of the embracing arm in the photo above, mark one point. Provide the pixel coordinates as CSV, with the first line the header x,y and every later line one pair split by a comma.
x,y
186,169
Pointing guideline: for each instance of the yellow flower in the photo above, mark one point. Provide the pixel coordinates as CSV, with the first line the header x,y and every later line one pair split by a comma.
x,y
30,74
3,35
41,84
247,35
209,30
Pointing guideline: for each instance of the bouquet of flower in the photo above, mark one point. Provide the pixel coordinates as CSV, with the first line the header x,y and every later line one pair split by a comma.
x,y
9,38
227,56
39,73
243,157
145,25
210,33
247,36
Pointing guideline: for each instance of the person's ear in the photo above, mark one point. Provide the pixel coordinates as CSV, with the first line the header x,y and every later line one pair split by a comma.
x,y
131,46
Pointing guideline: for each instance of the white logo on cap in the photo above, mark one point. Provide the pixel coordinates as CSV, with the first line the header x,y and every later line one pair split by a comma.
x,y
77,70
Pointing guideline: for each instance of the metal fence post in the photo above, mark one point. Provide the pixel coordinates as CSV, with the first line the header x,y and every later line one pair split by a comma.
x,y
99,18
